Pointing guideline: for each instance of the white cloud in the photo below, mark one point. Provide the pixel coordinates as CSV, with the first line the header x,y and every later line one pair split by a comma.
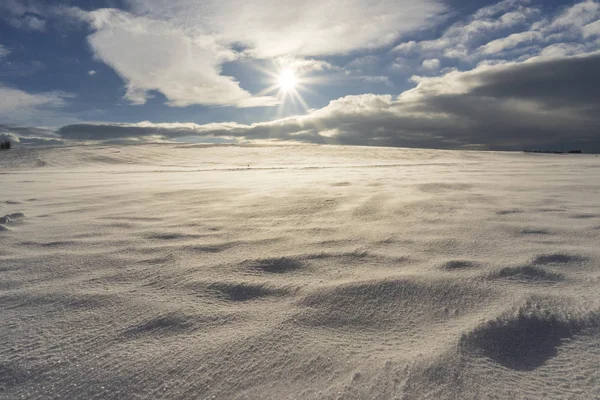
x,y
365,69
432,64
16,7
12,99
178,48
304,66
514,30
363,63
373,79
457,51
154,55
499,8
591,29
23,14
460,39
509,42
91,72
29,22
406,47
18,106
562,50
578,15
297,28
4,51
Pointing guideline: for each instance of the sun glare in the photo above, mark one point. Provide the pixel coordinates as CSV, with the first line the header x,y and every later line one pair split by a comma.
x,y
288,84
287,80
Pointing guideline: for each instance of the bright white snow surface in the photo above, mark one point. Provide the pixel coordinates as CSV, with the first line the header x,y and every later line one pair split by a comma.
x,y
298,272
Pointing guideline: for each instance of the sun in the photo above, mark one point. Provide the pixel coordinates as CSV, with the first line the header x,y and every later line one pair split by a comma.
x,y
287,81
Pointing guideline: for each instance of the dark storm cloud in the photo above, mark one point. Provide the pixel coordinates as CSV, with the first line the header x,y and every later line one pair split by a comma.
x,y
543,103
557,83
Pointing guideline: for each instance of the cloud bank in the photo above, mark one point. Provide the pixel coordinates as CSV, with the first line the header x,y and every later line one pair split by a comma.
x,y
545,102
30,136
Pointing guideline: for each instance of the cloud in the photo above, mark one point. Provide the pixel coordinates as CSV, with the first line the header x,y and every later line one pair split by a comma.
x,y
30,136
304,66
529,84
510,30
292,128
11,99
499,8
469,33
25,15
154,55
509,42
578,15
29,22
535,104
18,106
591,29
4,51
298,28
91,72
432,64
563,50
178,48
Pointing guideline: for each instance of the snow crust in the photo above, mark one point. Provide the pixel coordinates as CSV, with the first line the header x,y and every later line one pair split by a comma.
x,y
298,272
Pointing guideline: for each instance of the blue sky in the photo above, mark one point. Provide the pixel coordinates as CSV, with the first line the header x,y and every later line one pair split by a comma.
x,y
439,73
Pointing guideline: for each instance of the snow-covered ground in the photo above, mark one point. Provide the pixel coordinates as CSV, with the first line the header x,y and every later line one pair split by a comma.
x,y
165,271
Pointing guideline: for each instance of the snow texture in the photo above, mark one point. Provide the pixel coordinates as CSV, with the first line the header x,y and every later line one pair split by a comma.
x,y
298,272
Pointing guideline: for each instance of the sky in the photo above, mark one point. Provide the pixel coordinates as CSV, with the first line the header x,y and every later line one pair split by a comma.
x,y
449,74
